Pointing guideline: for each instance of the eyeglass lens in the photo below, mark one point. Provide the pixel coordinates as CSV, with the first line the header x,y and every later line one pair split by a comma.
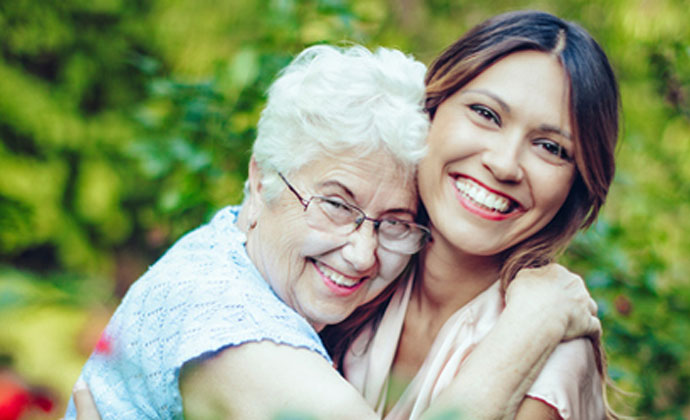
x,y
336,216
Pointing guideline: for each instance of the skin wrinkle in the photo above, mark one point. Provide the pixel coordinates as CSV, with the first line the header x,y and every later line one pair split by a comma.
x,y
282,237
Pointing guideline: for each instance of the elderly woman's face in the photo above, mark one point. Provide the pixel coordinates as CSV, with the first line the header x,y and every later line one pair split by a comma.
x,y
322,274
500,162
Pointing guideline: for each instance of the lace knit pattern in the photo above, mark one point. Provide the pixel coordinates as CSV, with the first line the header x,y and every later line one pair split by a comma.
x,y
203,295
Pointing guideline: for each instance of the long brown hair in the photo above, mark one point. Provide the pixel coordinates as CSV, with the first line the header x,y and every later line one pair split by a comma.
x,y
594,103
594,111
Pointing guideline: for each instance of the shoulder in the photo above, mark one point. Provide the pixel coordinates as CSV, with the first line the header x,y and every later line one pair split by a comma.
x,y
570,381
573,360
195,261
218,235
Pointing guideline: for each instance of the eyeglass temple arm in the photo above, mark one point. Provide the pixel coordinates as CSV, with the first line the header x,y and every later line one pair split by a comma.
x,y
304,202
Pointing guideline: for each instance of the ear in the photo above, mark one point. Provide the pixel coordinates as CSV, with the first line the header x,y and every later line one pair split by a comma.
x,y
254,176
255,203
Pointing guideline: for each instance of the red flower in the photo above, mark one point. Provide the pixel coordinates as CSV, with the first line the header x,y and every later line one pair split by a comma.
x,y
104,345
14,398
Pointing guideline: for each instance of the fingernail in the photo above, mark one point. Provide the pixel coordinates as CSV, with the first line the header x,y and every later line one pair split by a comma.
x,y
79,385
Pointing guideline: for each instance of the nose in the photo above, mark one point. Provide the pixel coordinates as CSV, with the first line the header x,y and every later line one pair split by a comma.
x,y
360,250
502,159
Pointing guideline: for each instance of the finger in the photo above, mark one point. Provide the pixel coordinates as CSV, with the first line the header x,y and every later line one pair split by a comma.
x,y
593,307
84,403
595,328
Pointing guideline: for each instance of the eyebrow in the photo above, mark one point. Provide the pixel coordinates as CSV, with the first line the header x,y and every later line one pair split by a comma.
x,y
548,128
408,211
555,130
334,183
493,96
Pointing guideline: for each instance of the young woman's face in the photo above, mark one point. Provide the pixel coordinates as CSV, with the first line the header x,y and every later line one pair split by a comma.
x,y
500,161
325,276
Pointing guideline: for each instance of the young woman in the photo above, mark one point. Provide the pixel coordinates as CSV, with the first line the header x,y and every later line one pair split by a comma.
x,y
524,112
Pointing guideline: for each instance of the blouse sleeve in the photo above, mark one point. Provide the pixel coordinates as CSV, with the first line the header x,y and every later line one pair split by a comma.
x,y
570,382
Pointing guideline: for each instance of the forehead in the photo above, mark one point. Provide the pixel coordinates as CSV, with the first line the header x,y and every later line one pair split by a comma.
x,y
530,81
528,66
375,179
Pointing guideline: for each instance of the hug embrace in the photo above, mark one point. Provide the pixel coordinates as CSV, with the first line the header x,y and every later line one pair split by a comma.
x,y
393,255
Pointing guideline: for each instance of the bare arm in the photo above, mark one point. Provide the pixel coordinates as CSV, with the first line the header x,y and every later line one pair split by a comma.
x,y
544,306
258,381
262,380
531,409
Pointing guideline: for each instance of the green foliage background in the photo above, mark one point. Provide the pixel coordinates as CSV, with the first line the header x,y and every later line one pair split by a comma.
x,y
125,123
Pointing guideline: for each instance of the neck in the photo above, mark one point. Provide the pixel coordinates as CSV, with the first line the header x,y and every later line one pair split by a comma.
x,y
450,278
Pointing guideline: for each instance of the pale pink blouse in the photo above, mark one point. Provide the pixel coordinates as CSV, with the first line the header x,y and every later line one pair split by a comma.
x,y
568,382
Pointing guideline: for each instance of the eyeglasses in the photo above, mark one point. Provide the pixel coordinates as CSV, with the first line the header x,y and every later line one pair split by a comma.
x,y
332,215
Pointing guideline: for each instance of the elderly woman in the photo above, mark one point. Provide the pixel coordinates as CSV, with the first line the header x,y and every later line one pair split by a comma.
x,y
226,321
343,131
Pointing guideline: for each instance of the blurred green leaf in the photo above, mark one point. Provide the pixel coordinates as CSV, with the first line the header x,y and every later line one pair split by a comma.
x,y
124,124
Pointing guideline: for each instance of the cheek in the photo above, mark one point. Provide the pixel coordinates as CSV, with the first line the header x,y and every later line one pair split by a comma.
x,y
551,200
312,243
281,243
554,192
447,146
429,178
460,136
392,265
288,233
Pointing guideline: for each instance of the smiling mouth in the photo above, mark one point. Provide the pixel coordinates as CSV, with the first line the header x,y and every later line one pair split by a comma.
x,y
484,198
338,278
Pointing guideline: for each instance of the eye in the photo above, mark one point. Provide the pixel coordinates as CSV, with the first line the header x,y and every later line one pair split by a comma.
x,y
336,205
486,113
338,211
554,149
394,228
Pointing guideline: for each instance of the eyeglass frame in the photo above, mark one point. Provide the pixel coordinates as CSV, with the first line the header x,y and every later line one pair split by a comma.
x,y
360,220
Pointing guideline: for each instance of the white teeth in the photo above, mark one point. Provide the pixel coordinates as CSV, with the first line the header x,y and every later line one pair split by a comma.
x,y
337,278
482,196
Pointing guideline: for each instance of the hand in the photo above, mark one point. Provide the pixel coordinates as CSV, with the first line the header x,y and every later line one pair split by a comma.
x,y
556,296
84,403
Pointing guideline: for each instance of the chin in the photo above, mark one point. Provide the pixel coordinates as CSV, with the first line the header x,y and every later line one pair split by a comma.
x,y
329,319
473,246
